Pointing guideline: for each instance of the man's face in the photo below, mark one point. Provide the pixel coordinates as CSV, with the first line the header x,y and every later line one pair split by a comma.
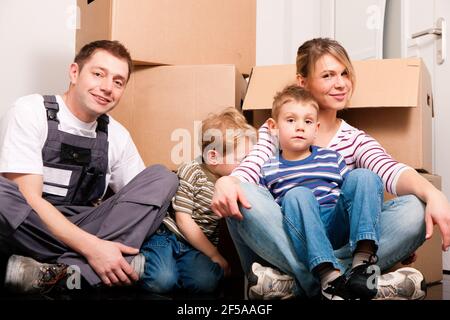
x,y
98,86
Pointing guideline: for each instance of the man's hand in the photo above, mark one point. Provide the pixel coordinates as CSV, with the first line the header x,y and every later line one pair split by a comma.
x,y
108,262
227,195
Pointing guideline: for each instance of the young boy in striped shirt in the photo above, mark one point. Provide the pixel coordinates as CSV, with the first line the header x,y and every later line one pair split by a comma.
x,y
183,253
323,210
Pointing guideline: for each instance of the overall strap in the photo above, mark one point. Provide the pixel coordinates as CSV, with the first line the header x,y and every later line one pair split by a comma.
x,y
52,107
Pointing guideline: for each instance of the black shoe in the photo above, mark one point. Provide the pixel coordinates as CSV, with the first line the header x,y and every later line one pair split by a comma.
x,y
336,290
362,280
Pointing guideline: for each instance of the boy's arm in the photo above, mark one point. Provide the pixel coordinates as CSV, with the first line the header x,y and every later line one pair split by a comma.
x,y
198,240
105,257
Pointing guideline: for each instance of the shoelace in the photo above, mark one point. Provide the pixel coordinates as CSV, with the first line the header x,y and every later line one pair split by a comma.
x,y
51,275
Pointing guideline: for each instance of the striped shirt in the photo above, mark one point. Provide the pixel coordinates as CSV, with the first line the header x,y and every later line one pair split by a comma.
x,y
193,197
323,171
358,149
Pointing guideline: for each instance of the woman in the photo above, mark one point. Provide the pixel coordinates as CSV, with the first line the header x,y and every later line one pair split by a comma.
x,y
324,69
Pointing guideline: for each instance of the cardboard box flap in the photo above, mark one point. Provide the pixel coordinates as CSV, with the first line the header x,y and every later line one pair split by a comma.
x,y
379,83
265,82
386,83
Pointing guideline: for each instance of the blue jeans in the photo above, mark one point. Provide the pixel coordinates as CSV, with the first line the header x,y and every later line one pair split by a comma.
x,y
171,264
261,236
316,231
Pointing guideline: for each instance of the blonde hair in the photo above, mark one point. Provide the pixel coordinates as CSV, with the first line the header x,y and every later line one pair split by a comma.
x,y
312,50
289,94
223,131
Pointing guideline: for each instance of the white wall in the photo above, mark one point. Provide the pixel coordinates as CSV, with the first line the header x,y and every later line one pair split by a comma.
x,y
282,26
38,44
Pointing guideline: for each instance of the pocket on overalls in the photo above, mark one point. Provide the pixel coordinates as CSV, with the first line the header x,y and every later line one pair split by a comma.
x,y
60,180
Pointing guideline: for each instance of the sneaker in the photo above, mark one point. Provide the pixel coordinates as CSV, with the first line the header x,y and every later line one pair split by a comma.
x,y
336,290
269,284
362,280
138,264
26,275
402,284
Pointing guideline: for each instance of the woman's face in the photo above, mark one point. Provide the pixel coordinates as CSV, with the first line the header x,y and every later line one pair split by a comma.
x,y
329,83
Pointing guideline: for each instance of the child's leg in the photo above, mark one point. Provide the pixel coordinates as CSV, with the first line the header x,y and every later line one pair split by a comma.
x,y
359,209
161,274
306,224
198,273
303,224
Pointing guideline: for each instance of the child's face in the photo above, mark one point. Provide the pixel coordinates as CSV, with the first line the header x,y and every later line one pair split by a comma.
x,y
226,164
297,127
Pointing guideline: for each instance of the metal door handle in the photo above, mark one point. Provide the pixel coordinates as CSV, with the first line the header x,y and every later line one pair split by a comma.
x,y
440,30
435,31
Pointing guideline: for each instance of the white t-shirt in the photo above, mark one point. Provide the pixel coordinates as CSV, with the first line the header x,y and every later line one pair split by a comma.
x,y
24,129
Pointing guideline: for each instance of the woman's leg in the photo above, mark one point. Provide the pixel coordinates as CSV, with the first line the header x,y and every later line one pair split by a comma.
x,y
261,234
402,231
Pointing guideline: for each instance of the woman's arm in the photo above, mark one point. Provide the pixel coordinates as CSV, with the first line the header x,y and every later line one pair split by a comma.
x,y
437,209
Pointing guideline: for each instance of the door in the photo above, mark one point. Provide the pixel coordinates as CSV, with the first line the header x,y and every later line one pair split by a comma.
x,y
420,15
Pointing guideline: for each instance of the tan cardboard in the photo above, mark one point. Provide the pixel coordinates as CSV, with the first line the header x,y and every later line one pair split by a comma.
x,y
163,106
175,31
392,101
429,255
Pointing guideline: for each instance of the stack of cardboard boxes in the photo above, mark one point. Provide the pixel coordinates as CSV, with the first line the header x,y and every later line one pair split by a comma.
x,y
189,56
393,102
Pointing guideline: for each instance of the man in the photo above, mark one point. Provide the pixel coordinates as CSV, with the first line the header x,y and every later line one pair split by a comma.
x,y
58,156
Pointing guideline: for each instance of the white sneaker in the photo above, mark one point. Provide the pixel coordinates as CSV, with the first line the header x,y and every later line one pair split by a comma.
x,y
270,284
402,284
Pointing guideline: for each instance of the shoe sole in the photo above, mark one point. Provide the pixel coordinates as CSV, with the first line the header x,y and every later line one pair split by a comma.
x,y
13,274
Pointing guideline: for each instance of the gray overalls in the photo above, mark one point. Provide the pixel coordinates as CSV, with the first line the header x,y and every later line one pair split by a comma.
x,y
74,179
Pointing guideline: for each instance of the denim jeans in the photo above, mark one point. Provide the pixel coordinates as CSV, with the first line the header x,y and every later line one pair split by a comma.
x,y
261,236
315,231
172,264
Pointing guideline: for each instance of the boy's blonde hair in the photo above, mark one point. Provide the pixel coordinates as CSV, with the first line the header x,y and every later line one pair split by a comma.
x,y
223,131
292,93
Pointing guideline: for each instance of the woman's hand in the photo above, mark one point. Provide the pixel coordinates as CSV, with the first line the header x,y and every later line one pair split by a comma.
x,y
227,195
437,211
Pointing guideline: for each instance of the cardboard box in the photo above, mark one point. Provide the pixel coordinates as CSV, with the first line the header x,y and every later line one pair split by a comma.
x,y
163,108
429,255
392,101
175,31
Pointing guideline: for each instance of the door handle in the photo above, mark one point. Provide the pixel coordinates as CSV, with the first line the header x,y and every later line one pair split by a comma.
x,y
440,30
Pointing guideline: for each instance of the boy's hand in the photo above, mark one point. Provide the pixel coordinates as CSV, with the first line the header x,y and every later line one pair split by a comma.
x,y
222,263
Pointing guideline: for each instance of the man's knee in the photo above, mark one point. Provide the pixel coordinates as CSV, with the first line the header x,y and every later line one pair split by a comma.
x,y
162,176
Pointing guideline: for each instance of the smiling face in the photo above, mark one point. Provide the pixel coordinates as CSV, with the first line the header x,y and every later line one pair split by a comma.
x,y
297,127
329,83
98,86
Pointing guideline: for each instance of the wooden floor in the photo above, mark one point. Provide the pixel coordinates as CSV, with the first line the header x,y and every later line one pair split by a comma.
x,y
440,291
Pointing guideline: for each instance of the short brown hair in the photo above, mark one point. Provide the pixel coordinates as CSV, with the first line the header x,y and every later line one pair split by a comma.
x,y
115,48
289,94
231,125
312,50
